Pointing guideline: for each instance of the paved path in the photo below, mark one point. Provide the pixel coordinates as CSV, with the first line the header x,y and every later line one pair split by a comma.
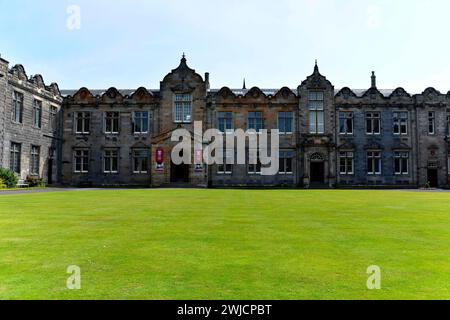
x,y
50,190
47,190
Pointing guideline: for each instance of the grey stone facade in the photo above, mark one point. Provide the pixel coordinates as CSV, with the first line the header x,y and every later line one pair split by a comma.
x,y
33,129
335,137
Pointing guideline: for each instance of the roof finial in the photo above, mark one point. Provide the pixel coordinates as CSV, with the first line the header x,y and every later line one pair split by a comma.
x,y
316,67
184,55
244,86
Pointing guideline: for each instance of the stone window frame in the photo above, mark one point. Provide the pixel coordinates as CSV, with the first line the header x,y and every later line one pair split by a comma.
x,y
182,108
255,118
84,155
141,119
225,121
53,118
35,160
37,112
253,169
347,155
286,157
373,156
370,116
400,122
448,124
112,120
18,99
316,108
15,157
287,119
432,123
86,117
110,157
140,168
400,156
226,168
346,116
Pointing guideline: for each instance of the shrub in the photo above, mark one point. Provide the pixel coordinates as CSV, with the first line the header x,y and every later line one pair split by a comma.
x,y
35,182
9,177
2,184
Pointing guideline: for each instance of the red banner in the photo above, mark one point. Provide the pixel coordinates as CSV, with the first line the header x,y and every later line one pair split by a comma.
x,y
160,156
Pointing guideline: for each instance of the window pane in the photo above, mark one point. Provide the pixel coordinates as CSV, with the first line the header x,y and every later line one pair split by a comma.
x,y
320,122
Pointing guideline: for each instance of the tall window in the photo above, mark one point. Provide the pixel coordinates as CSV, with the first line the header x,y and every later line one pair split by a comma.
x,y
373,123
227,166
53,116
285,120
448,163
255,121
82,122
225,121
346,162
286,162
140,161
17,115
316,113
254,169
400,123
346,123
140,122
34,160
183,108
15,157
111,161
374,162
431,123
81,160
254,165
401,160
112,122
37,113
448,124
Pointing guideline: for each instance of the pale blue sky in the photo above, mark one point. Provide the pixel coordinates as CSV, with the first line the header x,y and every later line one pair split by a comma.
x,y
132,43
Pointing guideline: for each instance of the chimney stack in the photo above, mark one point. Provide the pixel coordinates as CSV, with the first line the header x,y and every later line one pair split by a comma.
x,y
207,80
374,80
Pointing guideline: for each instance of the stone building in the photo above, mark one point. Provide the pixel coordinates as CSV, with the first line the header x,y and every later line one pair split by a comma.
x,y
30,127
329,137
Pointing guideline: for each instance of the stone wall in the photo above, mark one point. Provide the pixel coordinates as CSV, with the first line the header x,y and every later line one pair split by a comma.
x,y
47,137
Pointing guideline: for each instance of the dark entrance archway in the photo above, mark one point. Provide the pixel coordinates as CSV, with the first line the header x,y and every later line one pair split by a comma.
x,y
433,178
317,173
317,169
179,173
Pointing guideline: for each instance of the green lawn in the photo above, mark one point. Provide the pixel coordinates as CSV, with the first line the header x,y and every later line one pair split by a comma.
x,y
215,244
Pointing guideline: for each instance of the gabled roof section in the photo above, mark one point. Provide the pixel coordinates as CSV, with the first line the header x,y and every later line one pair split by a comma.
x,y
19,71
285,93
38,81
83,96
226,93
373,93
182,72
255,93
346,93
431,91
112,95
400,93
316,80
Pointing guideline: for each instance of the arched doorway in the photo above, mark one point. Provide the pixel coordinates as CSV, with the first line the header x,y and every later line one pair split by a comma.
x,y
317,168
179,173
